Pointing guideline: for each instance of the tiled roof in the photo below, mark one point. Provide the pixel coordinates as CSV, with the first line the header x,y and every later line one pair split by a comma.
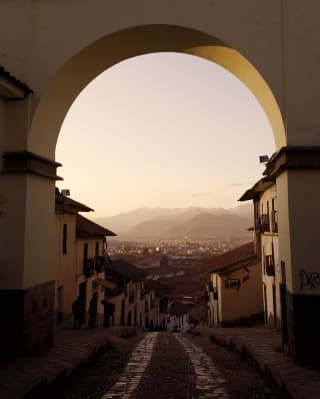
x,y
159,289
257,189
178,308
8,78
68,205
231,258
128,270
86,228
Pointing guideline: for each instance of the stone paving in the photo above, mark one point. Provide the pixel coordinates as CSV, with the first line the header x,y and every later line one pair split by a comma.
x,y
261,348
170,374
159,366
137,364
242,381
71,350
181,369
209,382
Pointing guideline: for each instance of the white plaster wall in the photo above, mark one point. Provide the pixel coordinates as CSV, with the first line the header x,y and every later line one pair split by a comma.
x,y
304,211
284,225
245,301
66,263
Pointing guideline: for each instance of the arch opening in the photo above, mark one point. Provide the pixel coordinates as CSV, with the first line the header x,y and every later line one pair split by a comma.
x,y
85,66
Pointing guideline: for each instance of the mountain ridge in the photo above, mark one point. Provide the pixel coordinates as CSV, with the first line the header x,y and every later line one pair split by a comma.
x,y
196,222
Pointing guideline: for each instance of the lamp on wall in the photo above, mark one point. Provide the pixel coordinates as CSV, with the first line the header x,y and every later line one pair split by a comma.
x,y
263,158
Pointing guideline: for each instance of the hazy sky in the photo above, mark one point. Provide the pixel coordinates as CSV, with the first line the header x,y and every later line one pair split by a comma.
x,y
164,129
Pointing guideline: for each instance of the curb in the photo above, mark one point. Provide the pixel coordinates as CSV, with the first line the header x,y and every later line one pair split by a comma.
x,y
51,382
247,354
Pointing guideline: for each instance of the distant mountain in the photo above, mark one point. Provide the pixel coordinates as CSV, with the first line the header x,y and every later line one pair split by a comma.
x,y
127,220
201,226
177,223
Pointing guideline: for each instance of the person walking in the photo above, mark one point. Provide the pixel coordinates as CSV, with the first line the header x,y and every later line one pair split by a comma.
x,y
93,310
77,308
108,311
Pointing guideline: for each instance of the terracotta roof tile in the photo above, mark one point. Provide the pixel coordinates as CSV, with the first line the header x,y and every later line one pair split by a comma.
x,y
128,270
159,289
178,308
86,228
231,258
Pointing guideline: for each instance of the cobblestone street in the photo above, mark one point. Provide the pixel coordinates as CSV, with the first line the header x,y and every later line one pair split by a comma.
x,y
166,366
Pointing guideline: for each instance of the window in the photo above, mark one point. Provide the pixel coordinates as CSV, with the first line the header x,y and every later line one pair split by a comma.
x,y
64,239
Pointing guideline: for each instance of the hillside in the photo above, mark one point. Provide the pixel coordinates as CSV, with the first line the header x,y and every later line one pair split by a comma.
x,y
201,226
157,222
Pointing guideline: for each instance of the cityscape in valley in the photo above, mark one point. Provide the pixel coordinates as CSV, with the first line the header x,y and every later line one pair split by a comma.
x,y
194,235
159,199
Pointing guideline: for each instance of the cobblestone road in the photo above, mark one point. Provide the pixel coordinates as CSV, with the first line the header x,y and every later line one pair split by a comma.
x,y
170,374
167,366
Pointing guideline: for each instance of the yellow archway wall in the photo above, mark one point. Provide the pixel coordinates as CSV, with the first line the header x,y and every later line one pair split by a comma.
x,y
114,48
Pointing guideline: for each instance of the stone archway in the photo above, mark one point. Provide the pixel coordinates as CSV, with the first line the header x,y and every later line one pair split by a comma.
x,y
272,47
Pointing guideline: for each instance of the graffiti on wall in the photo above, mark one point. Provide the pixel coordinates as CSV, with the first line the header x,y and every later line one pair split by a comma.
x,y
309,280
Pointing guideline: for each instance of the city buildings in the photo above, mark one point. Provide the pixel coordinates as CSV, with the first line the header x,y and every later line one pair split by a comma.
x,y
137,302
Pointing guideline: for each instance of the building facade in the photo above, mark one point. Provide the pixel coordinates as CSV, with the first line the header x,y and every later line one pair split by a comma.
x,y
234,292
178,317
136,302
264,197
81,249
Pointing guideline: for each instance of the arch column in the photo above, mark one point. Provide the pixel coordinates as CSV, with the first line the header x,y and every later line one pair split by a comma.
x,y
27,245
297,173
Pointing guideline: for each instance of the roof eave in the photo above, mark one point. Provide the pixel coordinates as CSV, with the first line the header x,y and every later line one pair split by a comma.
x,y
12,88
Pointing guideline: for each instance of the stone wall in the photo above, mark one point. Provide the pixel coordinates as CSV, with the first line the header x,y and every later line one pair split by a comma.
x,y
27,320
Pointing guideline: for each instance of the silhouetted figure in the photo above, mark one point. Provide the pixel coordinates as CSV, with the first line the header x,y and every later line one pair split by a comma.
x,y
93,310
77,311
109,309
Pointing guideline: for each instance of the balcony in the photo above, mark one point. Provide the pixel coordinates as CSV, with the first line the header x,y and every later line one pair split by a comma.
x,y
274,221
265,223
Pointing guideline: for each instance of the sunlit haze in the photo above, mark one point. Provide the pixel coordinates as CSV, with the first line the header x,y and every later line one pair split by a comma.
x,y
167,130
